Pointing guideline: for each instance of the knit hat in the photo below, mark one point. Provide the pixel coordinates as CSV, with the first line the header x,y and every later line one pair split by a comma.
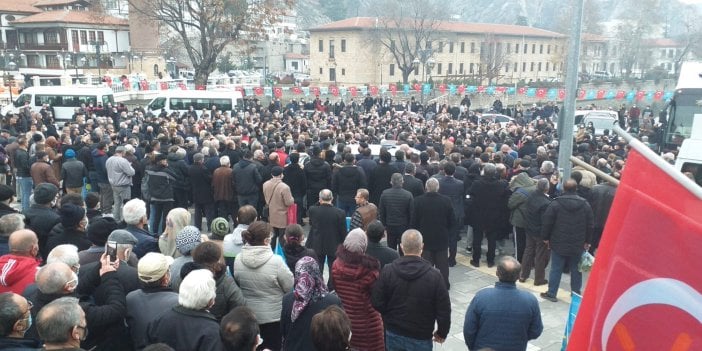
x,y
71,215
100,228
188,239
6,192
44,193
153,266
122,237
356,241
219,227
70,153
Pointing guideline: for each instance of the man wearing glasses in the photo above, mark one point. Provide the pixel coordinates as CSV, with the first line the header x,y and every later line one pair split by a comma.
x,y
15,320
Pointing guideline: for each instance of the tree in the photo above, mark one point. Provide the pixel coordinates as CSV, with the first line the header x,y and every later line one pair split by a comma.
x,y
493,58
637,22
335,9
206,27
692,36
406,29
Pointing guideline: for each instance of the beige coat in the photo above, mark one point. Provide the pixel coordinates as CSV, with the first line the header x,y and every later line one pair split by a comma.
x,y
278,201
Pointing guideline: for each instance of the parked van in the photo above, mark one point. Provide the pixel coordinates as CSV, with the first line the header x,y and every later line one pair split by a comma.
x,y
600,119
64,99
690,154
180,101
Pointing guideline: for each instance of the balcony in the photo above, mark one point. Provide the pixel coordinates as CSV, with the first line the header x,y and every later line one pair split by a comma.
x,y
44,47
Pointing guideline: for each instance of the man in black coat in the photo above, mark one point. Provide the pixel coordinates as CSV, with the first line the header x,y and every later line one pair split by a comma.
x,y
346,182
410,182
601,198
327,229
379,179
319,176
247,181
453,189
294,177
434,216
395,210
536,253
375,233
567,229
201,185
489,195
41,217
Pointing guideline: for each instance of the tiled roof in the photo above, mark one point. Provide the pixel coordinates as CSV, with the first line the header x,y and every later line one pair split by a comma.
x,y
295,56
357,23
18,6
661,43
65,16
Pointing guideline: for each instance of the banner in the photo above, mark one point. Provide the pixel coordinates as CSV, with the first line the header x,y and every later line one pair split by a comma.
x,y
645,289
575,301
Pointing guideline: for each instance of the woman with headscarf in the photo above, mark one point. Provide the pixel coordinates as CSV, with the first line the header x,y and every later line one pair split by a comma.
x,y
354,274
309,297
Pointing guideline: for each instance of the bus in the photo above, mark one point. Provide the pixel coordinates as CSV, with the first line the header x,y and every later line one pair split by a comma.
x,y
64,99
686,104
180,101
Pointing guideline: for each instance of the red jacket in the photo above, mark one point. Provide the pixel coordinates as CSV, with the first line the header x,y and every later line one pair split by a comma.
x,y
17,272
353,276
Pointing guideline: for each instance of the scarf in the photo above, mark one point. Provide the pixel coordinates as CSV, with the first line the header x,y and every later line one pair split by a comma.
x,y
309,285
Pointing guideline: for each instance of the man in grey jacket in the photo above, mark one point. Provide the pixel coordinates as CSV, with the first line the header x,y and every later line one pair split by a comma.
x,y
119,173
395,209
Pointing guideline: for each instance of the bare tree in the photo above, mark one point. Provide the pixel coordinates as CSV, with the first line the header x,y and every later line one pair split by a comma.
x,y
406,29
206,27
636,24
691,38
493,58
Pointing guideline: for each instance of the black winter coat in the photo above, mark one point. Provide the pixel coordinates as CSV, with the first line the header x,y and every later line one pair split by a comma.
x,y
247,179
160,184
395,207
201,184
328,229
379,180
568,224
180,170
490,197
433,217
318,175
41,220
535,207
185,329
295,178
346,181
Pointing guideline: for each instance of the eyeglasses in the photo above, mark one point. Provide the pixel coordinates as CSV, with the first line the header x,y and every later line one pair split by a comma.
x,y
30,305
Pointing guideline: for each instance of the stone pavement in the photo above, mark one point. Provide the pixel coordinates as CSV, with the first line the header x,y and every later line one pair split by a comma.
x,y
466,280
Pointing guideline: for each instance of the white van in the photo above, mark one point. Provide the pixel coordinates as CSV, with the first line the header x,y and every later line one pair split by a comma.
x,y
180,101
64,99
601,120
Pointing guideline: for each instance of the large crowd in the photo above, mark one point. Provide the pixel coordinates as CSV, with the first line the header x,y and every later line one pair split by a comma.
x,y
143,230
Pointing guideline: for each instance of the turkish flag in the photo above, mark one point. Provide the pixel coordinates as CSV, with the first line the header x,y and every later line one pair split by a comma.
x,y
442,88
481,88
461,89
640,95
258,91
315,91
581,94
144,85
417,87
541,93
645,291
393,89
296,90
620,95
278,92
164,86
658,95
501,89
522,91
374,90
601,94
561,94
334,90
353,91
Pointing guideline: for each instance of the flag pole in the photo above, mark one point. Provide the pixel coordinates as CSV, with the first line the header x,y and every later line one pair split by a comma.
x,y
599,173
659,162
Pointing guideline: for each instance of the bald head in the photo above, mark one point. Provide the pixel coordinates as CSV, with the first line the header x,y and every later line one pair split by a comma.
x,y
23,242
412,243
508,269
326,196
570,186
54,278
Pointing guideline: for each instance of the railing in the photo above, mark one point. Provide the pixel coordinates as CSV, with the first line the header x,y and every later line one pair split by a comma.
x,y
47,47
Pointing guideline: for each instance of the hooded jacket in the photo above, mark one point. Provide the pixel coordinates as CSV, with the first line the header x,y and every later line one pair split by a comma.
x,y
410,295
318,175
247,179
521,186
99,160
347,181
568,224
264,279
16,272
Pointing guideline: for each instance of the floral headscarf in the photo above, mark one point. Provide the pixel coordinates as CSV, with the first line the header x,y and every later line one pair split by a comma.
x,y
309,285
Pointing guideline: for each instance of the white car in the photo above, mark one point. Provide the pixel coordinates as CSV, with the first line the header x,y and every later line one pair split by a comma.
x,y
601,120
503,120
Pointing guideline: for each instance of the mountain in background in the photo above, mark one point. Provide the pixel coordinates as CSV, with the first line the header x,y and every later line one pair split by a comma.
x,y
545,14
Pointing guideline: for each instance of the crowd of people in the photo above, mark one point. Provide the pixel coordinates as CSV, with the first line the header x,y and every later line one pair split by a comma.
x,y
210,231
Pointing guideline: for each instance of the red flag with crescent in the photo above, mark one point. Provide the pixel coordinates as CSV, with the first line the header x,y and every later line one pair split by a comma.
x,y
164,85
296,90
258,91
144,85
334,90
658,95
353,91
645,291
461,89
581,94
393,89
521,91
442,88
200,87
561,94
315,91
501,89
541,93
481,89
417,87
278,92
620,95
640,95
601,94
374,90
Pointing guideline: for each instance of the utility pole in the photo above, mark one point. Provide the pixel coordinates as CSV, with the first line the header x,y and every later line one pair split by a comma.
x,y
566,119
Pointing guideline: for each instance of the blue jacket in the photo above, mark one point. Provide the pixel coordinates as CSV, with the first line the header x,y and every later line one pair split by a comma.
x,y
502,318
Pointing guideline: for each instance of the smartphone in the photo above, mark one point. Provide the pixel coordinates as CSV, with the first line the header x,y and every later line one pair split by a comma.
x,y
111,249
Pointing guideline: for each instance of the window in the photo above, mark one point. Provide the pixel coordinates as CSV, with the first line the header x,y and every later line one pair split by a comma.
x,y
555,49
539,69
533,48
449,70
321,70
460,68
332,74
52,61
614,51
516,48
509,48
56,100
515,67
50,37
463,47
525,48
670,55
416,70
438,68
663,53
451,48
321,45
441,47
541,49
331,49
428,45
547,63
532,67
506,67
91,36
523,66
83,37
392,70
471,68
343,45
101,36
472,48
343,71
200,103
74,37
